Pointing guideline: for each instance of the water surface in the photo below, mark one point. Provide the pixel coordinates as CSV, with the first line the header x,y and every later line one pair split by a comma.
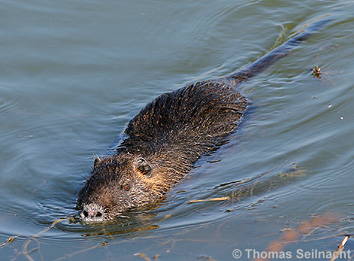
x,y
72,74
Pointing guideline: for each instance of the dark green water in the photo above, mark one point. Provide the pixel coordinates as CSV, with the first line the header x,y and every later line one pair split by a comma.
x,y
73,73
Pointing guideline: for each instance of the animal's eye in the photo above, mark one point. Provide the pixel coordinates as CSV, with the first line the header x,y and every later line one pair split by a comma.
x,y
144,167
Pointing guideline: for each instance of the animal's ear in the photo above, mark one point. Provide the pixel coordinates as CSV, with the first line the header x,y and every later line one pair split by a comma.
x,y
97,160
143,167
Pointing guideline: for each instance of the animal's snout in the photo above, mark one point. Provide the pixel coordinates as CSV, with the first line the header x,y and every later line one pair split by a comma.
x,y
92,212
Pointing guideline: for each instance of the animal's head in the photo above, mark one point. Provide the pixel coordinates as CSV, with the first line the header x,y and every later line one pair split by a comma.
x,y
119,183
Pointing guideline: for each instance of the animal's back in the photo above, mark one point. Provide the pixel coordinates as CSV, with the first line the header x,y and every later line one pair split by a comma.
x,y
194,119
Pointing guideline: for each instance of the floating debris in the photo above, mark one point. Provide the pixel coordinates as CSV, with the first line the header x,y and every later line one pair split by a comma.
x,y
8,241
104,243
316,72
206,258
340,248
146,258
208,200
142,256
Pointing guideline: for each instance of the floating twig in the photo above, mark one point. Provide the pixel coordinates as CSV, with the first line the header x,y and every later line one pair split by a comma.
x,y
34,237
340,248
208,200
143,256
8,241
146,258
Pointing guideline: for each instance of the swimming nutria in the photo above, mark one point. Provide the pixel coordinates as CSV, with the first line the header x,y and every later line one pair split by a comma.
x,y
167,137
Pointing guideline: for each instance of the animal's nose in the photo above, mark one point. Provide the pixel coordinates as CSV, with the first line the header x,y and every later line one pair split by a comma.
x,y
92,212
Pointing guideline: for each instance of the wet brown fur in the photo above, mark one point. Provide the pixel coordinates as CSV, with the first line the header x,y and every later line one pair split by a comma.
x,y
169,135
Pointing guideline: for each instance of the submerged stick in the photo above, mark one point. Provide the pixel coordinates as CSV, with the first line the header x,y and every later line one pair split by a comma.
x,y
25,250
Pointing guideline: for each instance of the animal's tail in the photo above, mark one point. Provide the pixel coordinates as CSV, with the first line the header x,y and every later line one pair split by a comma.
x,y
283,50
